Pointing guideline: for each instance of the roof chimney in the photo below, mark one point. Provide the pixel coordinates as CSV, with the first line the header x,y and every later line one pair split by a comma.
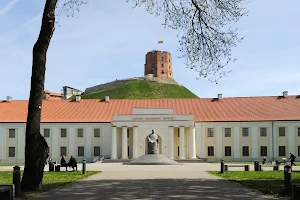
x,y
9,98
106,98
78,98
285,94
219,96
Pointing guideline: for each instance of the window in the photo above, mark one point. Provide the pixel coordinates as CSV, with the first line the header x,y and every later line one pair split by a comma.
x,y
97,151
281,131
162,58
178,132
281,150
210,151
63,151
210,132
127,133
299,131
80,151
263,132
178,151
63,132
162,72
162,65
80,132
128,151
227,150
11,151
96,132
227,132
12,133
245,150
245,132
46,132
263,151
298,150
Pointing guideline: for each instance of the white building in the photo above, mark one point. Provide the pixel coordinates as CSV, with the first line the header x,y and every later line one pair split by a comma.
x,y
235,129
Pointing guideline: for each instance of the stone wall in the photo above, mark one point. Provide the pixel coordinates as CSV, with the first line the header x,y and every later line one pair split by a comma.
x,y
148,77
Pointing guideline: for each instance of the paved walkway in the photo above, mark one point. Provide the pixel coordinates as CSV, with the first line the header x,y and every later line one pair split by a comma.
x,y
117,181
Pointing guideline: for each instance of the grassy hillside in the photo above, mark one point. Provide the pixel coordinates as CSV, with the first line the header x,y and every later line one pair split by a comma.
x,y
142,90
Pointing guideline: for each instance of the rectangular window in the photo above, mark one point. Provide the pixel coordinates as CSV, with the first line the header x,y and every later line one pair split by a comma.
x,y
245,132
298,150
263,132
46,132
210,132
80,132
97,151
63,132
210,151
245,150
11,133
162,65
63,151
227,132
263,151
162,58
11,151
178,132
227,150
299,131
281,131
281,150
127,133
80,151
96,132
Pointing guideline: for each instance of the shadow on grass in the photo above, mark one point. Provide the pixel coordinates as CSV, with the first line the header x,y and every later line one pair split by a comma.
x,y
153,189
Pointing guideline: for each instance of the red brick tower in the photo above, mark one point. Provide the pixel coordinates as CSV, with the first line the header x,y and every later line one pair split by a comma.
x,y
159,63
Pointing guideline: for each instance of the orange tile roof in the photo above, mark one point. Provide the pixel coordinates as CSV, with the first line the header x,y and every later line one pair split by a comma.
x,y
204,109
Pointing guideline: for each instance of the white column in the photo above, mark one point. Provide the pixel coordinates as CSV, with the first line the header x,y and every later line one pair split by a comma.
x,y
88,144
124,143
114,143
291,140
2,144
273,147
192,143
254,145
21,144
236,143
54,133
135,152
203,136
171,142
219,145
181,146
71,134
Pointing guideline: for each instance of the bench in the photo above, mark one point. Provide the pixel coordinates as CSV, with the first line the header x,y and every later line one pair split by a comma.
x,y
275,167
57,167
245,166
6,192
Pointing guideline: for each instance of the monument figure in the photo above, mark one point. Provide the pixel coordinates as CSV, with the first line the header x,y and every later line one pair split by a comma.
x,y
153,143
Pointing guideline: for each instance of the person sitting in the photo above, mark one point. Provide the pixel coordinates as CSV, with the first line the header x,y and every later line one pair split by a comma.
x,y
72,163
293,158
63,162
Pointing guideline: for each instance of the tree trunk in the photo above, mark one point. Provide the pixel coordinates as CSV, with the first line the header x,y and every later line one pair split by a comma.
x,y
36,149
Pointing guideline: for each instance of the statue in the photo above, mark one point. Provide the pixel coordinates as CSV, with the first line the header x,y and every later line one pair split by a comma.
x,y
153,143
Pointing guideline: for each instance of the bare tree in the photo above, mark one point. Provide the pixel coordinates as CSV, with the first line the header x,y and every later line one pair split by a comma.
x,y
205,36
205,40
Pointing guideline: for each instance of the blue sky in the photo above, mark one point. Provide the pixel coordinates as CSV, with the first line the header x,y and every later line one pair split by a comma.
x,y
108,40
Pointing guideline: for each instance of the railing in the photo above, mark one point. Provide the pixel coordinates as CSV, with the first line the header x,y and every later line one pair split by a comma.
x,y
95,159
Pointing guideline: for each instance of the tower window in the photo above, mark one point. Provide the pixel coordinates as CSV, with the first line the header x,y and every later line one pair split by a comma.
x,y
162,59
162,65
162,72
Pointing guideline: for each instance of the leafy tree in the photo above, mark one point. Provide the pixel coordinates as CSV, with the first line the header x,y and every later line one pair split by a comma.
x,y
205,40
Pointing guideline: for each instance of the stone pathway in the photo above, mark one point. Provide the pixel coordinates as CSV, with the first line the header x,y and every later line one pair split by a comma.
x,y
117,181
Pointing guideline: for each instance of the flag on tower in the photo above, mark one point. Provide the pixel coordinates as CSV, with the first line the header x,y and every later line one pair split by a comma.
x,y
160,41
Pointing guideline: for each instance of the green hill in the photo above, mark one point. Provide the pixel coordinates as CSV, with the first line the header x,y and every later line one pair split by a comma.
x,y
140,89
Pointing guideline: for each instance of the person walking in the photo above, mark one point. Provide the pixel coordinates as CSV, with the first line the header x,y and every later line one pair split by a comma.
x,y
293,158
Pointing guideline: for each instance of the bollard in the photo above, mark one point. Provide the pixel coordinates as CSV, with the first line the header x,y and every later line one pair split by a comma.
x,y
288,179
83,166
16,181
256,165
222,166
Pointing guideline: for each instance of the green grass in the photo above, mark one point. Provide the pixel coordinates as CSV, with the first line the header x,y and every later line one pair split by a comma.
x,y
268,182
11,165
142,90
51,180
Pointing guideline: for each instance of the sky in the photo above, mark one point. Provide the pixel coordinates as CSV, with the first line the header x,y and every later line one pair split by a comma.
x,y
109,39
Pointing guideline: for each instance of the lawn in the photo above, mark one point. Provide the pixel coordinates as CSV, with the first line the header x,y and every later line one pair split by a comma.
x,y
268,182
11,165
51,180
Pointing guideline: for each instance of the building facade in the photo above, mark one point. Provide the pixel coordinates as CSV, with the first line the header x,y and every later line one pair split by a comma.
x,y
234,129
159,63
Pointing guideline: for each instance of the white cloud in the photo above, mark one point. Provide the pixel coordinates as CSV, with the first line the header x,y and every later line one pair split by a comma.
x,y
8,7
31,21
